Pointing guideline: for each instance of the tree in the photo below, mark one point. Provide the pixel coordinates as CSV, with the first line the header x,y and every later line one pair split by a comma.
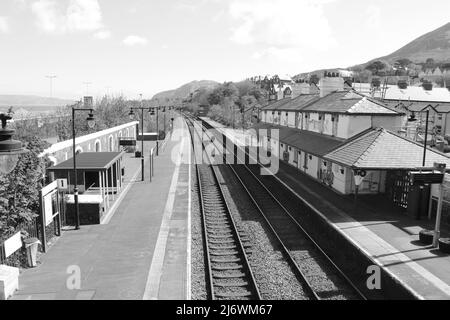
x,y
430,63
376,66
19,190
402,63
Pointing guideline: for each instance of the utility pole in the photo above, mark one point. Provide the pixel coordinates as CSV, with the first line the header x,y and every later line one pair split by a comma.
x,y
51,77
437,228
426,139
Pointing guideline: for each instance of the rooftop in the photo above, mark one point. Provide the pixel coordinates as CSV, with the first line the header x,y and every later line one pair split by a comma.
x,y
311,142
349,102
380,149
413,93
90,161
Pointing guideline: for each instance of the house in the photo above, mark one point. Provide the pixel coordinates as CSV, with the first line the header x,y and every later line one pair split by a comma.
x,y
336,135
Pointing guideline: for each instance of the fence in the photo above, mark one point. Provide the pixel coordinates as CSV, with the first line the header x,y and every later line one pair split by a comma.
x,y
27,230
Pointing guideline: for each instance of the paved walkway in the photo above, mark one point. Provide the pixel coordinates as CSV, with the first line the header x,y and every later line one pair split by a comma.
x,y
140,253
381,232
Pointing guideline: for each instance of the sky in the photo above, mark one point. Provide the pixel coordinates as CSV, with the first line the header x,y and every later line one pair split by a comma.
x,y
129,47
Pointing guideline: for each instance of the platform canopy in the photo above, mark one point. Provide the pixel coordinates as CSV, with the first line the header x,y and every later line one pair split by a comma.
x,y
379,149
90,161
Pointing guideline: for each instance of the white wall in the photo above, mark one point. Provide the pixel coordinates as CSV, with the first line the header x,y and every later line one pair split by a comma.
x,y
340,179
300,117
390,123
284,118
349,126
291,119
313,122
328,125
313,165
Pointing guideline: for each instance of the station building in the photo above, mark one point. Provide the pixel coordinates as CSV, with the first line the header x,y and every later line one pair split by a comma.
x,y
338,133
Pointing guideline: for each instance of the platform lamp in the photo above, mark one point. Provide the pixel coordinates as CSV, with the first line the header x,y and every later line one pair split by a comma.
x,y
131,114
91,124
152,113
164,111
10,149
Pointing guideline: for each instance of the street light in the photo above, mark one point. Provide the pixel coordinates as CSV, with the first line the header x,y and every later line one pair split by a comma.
x,y
131,114
9,149
91,123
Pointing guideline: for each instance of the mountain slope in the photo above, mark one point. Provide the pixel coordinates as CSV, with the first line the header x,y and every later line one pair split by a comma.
x,y
185,90
435,45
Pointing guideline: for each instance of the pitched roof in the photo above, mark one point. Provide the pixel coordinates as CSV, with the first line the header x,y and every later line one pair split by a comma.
x,y
310,142
381,149
277,104
90,161
413,93
348,102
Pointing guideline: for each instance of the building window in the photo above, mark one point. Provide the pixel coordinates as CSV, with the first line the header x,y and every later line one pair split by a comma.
x,y
287,114
439,116
332,119
324,163
310,157
290,149
320,117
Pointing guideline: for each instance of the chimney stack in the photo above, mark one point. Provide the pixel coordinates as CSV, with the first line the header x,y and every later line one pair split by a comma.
x,y
331,82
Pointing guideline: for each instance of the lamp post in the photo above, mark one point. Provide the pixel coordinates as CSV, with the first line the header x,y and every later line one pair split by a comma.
x,y
9,149
131,114
91,123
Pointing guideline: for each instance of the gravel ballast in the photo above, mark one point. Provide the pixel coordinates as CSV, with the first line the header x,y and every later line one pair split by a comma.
x,y
274,276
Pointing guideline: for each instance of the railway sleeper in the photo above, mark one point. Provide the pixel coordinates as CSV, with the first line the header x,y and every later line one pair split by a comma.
x,y
222,248
227,268
222,254
231,284
236,275
230,295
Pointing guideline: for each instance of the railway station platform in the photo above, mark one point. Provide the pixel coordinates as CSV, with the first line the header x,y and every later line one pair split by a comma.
x,y
389,238
141,251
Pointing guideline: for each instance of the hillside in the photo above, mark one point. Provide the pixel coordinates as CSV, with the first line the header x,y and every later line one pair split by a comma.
x,y
25,101
434,44
185,90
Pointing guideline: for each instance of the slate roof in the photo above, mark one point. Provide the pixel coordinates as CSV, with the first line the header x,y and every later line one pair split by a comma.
x,y
380,149
413,93
275,105
349,102
90,161
310,142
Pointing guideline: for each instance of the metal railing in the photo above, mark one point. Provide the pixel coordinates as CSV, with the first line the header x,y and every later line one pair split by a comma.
x,y
27,230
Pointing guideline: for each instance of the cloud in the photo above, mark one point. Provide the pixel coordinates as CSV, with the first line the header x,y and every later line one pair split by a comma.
x,y
103,34
134,40
283,28
4,25
79,16
373,21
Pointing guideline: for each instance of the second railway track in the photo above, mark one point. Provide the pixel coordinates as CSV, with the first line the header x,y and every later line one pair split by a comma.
x,y
229,274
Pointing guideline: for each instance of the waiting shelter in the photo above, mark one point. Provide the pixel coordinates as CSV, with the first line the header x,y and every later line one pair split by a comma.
x,y
99,180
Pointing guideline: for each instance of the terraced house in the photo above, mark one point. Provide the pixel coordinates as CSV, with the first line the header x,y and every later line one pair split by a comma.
x,y
338,134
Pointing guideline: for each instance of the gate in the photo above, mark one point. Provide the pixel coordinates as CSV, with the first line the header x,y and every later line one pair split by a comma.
x,y
398,187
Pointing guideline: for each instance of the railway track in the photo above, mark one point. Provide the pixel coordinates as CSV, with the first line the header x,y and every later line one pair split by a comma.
x,y
314,268
229,273
324,280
